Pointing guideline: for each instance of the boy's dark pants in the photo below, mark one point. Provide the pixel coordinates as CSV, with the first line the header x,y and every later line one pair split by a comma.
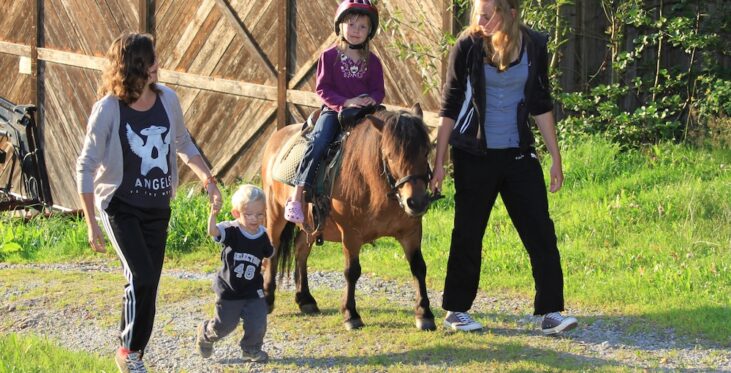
x,y
519,181
138,235
253,313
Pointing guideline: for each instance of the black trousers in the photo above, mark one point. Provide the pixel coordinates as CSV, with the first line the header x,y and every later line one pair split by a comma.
x,y
519,181
138,235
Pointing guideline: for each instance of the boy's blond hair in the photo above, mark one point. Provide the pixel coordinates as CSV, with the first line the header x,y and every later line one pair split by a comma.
x,y
246,194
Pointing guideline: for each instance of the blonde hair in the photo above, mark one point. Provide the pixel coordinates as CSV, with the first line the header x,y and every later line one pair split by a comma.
x,y
129,59
246,194
343,45
504,45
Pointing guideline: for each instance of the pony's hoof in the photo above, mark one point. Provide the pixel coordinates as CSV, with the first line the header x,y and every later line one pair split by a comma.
x,y
309,309
354,324
425,324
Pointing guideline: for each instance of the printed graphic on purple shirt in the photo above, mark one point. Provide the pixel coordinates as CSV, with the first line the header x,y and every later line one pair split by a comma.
x,y
352,69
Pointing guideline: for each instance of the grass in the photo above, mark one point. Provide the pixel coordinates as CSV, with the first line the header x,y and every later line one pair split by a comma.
x,y
388,343
34,354
643,233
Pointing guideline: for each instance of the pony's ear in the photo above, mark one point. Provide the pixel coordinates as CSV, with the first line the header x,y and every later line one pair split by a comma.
x,y
417,110
378,123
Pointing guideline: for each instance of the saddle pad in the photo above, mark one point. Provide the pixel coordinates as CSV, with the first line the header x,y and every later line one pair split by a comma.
x,y
288,159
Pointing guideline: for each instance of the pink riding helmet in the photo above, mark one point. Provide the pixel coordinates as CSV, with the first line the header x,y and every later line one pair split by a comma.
x,y
360,7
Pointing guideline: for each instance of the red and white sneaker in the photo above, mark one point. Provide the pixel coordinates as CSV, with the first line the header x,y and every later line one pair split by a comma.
x,y
129,361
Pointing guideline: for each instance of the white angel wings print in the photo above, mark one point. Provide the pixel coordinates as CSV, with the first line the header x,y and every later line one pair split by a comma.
x,y
144,149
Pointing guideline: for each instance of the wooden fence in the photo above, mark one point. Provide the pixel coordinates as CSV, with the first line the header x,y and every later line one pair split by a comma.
x,y
234,64
242,68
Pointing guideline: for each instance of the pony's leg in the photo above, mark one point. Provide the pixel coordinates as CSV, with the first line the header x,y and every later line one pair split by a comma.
x,y
269,267
412,249
302,296
351,251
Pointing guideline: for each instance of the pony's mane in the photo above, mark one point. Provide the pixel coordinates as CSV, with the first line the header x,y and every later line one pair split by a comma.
x,y
404,136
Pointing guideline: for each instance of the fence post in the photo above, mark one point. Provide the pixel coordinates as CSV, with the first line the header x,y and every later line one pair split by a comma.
x,y
447,27
146,11
282,42
36,36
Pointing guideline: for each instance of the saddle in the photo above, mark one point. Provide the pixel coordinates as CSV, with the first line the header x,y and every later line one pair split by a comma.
x,y
288,158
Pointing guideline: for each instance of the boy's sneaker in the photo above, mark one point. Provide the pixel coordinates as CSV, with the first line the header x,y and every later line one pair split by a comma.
x,y
205,348
554,323
461,321
256,356
129,361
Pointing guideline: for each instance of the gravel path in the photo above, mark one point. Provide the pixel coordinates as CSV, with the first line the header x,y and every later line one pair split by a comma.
x,y
599,338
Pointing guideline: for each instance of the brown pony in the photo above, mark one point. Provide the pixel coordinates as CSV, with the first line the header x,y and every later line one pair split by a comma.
x,y
381,191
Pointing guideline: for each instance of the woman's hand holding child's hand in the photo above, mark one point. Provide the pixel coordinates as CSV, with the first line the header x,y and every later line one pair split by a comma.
x,y
215,199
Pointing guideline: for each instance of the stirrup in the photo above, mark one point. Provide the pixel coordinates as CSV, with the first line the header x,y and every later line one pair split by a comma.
x,y
293,212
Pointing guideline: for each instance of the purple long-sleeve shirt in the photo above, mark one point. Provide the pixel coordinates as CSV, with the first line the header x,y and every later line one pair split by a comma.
x,y
339,78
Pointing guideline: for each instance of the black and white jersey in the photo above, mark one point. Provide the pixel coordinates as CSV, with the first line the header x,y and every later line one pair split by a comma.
x,y
240,274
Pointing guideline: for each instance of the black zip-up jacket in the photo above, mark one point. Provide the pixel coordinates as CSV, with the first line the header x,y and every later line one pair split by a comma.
x,y
463,97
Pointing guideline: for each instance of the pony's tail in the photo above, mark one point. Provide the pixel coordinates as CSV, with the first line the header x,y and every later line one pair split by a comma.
x,y
286,242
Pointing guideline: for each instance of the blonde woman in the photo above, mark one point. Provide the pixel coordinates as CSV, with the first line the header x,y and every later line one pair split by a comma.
x,y
127,171
497,77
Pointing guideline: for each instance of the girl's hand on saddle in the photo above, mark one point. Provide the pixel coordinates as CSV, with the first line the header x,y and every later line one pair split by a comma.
x,y
359,101
368,101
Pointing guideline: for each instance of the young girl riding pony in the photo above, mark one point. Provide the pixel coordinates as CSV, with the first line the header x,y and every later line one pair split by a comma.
x,y
348,76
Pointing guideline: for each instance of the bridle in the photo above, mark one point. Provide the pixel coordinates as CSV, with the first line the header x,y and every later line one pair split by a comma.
x,y
395,185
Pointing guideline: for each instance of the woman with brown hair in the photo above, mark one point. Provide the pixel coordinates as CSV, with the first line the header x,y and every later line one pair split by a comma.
x,y
127,170
497,77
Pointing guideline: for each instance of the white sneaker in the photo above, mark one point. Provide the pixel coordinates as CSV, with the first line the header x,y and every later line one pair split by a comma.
x,y
554,323
461,321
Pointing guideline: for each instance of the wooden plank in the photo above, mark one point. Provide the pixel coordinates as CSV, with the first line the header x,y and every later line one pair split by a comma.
x,y
233,87
305,98
226,164
248,39
66,111
312,62
182,44
215,45
15,49
15,24
71,59
282,47
118,16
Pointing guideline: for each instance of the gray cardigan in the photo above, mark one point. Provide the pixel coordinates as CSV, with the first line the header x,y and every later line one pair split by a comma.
x,y
99,167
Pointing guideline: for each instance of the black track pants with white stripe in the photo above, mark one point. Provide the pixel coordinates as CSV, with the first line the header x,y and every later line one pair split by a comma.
x,y
138,235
